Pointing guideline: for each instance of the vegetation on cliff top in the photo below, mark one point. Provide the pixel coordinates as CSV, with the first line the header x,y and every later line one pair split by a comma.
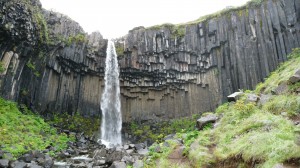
x,y
23,132
178,30
249,134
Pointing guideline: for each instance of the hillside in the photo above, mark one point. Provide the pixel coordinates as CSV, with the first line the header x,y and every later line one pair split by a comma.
x,y
21,132
260,129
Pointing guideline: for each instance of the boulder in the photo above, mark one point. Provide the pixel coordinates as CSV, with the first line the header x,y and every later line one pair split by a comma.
x,y
4,163
264,99
18,164
129,151
128,160
99,163
296,77
100,153
138,164
27,157
118,164
48,162
235,96
252,98
126,147
177,153
281,89
143,151
210,118
33,165
169,137
114,156
139,146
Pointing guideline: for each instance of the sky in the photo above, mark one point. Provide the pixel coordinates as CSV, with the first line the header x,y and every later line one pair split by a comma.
x,y
114,18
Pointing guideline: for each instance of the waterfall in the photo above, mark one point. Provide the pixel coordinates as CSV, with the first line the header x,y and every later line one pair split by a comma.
x,y
110,102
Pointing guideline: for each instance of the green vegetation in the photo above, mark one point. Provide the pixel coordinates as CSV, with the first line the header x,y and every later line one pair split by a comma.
x,y
76,123
282,74
22,132
79,38
177,31
42,25
32,67
248,134
144,132
120,49
2,69
161,157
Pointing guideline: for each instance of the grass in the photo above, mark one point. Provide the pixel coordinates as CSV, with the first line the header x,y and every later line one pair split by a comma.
x,y
282,74
20,133
251,133
255,134
160,160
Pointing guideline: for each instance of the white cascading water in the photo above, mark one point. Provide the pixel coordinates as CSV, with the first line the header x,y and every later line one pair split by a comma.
x,y
110,102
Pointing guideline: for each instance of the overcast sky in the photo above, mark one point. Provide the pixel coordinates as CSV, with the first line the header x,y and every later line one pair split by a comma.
x,y
114,18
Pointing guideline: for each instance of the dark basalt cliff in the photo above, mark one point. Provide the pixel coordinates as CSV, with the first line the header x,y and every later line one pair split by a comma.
x,y
167,71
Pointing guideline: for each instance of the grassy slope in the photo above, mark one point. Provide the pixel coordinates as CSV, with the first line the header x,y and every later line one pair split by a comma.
x,y
20,132
249,134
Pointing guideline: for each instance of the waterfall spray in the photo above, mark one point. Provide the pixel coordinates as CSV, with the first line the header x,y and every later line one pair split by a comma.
x,y
110,102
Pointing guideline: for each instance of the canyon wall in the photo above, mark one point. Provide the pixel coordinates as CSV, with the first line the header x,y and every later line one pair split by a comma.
x,y
167,71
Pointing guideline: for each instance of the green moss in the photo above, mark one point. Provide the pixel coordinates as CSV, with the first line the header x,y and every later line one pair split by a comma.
x,y
42,26
119,49
2,69
76,123
79,38
33,69
20,133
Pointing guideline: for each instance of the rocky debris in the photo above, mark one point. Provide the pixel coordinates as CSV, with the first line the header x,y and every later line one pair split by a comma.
x,y
138,164
169,137
252,98
234,97
210,118
143,151
118,164
281,89
296,77
177,153
18,164
4,163
264,99
84,152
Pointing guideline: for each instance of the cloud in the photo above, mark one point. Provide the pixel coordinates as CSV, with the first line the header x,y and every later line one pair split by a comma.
x,y
114,18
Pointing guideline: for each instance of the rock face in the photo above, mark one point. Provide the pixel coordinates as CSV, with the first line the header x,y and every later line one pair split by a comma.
x,y
166,72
